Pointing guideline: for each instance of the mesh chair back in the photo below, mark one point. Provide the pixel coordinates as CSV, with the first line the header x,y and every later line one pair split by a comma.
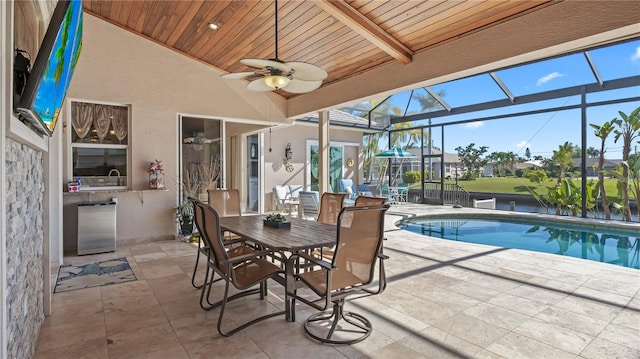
x,y
364,201
197,214
360,232
212,235
225,201
330,206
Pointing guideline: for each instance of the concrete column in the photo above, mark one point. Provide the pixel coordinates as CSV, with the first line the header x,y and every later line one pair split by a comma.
x,y
323,152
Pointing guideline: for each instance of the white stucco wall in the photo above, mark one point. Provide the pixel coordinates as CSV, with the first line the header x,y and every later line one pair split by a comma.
x,y
117,66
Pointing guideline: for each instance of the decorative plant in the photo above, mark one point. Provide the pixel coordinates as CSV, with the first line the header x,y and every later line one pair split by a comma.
x,y
212,172
184,216
276,217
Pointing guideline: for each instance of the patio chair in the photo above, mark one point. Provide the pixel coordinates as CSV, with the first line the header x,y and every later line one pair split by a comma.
x,y
363,201
243,271
403,192
384,192
203,247
351,270
330,205
309,202
225,201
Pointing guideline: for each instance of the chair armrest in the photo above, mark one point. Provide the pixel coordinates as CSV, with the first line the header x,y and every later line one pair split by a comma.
x,y
383,256
322,263
248,256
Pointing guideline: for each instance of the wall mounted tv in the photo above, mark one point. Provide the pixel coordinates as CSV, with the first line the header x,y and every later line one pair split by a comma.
x,y
57,57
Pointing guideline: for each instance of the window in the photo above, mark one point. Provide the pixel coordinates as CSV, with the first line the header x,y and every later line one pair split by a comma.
x,y
99,145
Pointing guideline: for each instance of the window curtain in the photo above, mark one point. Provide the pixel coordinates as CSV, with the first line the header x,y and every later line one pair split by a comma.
x,y
102,120
82,118
120,120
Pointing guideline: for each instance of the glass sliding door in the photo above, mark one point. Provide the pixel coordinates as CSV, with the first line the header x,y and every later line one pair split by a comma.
x,y
335,166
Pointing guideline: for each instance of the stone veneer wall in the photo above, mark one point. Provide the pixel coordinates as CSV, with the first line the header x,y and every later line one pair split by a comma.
x,y
25,268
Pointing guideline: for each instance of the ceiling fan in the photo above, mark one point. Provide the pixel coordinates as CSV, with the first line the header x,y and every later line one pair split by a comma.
x,y
275,74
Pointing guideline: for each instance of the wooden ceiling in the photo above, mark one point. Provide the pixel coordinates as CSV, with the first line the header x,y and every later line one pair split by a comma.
x,y
345,38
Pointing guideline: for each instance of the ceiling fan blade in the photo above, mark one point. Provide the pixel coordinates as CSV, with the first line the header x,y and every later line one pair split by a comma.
x,y
238,75
259,85
300,86
262,63
306,71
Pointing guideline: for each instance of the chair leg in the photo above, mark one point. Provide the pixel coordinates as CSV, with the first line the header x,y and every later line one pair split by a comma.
x,y
195,268
226,299
360,324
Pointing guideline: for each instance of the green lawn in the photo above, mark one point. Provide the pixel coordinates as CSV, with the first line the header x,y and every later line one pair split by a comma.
x,y
519,185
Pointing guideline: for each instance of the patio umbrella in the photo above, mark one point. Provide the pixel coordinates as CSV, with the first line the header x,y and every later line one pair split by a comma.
x,y
394,152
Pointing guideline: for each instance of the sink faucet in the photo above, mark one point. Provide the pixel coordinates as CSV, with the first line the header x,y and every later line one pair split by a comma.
x,y
117,173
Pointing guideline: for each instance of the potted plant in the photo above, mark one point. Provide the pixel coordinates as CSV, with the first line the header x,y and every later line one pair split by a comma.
x,y
276,220
184,216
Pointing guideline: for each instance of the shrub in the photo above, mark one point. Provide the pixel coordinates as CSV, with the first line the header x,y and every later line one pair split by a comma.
x,y
411,177
520,173
537,176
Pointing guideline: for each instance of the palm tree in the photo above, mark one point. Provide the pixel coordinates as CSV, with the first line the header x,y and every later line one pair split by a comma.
x,y
562,159
628,129
603,132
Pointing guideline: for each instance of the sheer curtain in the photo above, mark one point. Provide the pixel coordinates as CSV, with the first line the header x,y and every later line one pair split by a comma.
x,y
120,120
102,120
82,118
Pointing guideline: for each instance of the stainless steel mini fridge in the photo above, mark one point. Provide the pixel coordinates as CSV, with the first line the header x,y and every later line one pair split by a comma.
x,y
96,227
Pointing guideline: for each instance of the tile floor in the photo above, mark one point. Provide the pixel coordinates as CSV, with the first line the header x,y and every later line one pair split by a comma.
x,y
445,299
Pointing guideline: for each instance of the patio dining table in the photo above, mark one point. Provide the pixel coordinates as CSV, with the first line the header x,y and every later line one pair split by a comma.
x,y
303,235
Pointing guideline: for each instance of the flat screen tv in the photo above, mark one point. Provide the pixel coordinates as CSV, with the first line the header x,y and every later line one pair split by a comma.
x,y
49,80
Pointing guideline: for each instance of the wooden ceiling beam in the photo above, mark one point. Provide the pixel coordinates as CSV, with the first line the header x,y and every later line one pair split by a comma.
x,y
367,28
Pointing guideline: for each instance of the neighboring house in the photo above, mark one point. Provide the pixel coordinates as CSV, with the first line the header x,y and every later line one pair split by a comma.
x,y
490,169
592,165
452,165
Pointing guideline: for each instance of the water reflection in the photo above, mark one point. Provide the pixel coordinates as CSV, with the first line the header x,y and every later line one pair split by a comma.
x,y
600,245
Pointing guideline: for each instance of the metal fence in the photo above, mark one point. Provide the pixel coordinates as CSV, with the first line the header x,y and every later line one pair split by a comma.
x,y
452,194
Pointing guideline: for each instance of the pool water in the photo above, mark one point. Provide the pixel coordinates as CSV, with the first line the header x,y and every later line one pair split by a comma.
x,y
596,244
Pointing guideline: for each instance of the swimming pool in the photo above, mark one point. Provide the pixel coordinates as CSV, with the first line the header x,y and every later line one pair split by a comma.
x,y
619,247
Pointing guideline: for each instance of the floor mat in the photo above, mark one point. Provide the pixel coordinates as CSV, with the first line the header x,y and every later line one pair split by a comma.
x,y
110,271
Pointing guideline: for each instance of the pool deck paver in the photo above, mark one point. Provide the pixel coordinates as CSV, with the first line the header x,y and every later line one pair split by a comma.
x,y
445,299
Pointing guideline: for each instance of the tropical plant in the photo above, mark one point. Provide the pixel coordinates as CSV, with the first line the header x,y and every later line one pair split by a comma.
x,y
627,129
634,176
562,159
566,197
603,132
593,152
471,159
503,161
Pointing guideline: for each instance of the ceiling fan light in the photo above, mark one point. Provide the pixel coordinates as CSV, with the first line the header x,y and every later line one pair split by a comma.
x,y
276,81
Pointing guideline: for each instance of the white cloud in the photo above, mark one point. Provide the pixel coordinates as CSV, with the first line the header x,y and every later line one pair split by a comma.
x,y
544,79
522,144
635,57
477,124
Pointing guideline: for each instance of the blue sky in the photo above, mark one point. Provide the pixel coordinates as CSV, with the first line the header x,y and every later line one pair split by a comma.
x,y
542,133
